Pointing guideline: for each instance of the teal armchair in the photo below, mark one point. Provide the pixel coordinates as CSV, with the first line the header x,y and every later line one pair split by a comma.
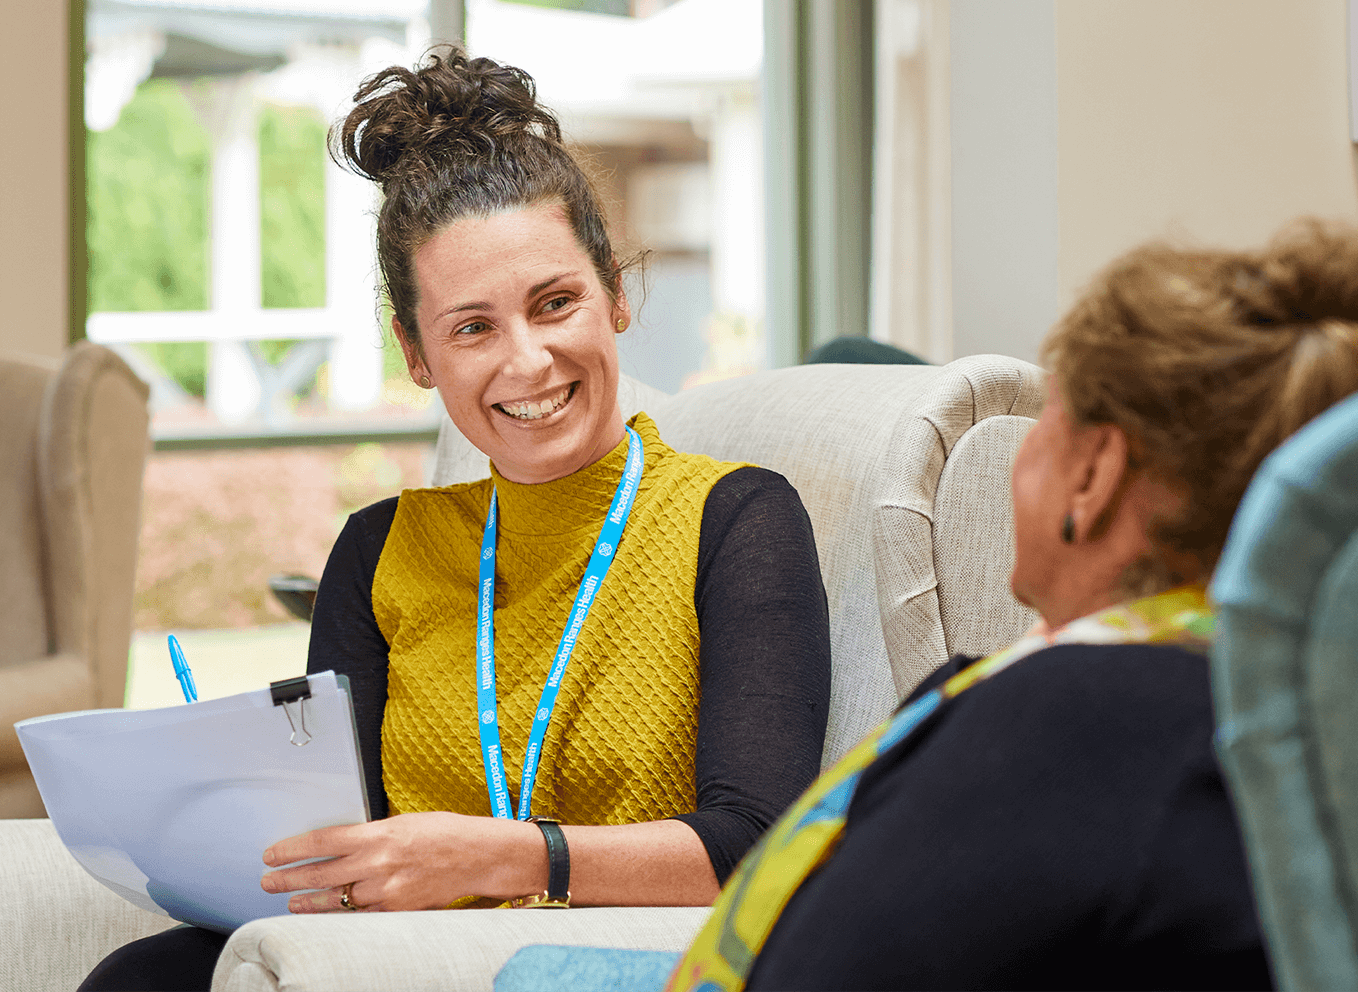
x,y
1285,681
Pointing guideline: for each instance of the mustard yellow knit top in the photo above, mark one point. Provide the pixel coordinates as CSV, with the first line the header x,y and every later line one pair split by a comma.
x,y
620,746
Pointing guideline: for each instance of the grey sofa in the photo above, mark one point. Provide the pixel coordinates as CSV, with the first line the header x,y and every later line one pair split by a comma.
x,y
905,473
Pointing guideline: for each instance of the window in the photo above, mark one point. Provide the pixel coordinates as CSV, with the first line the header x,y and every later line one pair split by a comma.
x,y
232,264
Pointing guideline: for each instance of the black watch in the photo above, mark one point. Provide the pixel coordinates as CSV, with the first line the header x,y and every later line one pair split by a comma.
x,y
558,895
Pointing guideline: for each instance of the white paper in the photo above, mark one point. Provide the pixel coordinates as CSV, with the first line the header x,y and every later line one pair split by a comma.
x,y
173,808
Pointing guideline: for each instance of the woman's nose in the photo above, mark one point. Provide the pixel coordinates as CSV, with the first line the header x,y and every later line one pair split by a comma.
x,y
528,354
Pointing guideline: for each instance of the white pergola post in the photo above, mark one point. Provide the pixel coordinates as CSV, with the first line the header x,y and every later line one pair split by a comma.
x,y
351,291
324,77
234,391
736,162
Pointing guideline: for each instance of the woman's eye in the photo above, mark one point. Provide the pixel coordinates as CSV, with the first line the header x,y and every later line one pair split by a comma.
x,y
475,327
556,303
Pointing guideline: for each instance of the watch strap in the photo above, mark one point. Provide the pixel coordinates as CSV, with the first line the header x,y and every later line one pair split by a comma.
x,y
558,895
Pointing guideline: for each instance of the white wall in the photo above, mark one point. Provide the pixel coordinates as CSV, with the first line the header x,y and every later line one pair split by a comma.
x,y
1004,175
1217,120
33,178
1081,128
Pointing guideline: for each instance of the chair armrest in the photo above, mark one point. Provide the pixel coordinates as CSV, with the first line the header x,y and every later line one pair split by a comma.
x,y
58,922
448,950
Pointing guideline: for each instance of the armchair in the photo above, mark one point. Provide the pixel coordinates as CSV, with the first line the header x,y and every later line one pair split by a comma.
x,y
904,471
74,436
1283,679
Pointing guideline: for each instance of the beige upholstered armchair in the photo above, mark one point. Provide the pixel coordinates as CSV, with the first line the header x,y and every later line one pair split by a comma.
x,y
73,439
904,470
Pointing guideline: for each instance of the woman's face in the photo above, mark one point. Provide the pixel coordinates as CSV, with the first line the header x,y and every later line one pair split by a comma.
x,y
518,334
1040,483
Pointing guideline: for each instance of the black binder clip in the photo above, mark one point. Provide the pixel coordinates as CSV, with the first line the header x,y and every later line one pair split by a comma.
x,y
297,691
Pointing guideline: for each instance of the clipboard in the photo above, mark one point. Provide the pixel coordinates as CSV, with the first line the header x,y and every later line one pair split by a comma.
x,y
173,808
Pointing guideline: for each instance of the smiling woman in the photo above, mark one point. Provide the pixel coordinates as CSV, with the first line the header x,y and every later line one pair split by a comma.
x,y
518,336
624,644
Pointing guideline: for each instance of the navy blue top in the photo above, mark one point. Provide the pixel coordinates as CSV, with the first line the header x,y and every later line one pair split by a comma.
x,y
1063,824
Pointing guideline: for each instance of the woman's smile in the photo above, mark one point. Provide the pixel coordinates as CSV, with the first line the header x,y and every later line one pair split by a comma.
x,y
537,410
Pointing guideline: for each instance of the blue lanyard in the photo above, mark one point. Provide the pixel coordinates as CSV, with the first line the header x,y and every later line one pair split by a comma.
x,y
599,563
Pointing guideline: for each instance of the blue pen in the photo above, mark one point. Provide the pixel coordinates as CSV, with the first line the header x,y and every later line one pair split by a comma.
x,y
181,671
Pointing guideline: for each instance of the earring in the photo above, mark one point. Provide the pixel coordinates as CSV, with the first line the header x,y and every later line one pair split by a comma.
x,y
622,325
1068,530
425,383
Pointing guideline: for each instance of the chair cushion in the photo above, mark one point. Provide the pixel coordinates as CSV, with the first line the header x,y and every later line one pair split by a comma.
x,y
57,920
435,950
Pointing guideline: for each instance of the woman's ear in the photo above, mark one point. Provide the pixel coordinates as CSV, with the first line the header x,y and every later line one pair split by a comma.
x,y
413,355
1102,452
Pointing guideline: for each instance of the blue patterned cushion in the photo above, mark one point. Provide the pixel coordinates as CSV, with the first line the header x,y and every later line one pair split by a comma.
x,y
547,968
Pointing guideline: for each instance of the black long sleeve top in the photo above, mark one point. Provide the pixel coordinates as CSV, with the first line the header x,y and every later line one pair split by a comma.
x,y
764,655
1063,824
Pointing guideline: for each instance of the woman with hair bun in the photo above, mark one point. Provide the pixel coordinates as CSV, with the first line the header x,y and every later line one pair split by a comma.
x,y
625,644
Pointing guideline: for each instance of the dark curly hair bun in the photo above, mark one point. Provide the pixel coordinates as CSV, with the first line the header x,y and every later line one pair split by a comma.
x,y
454,138
450,106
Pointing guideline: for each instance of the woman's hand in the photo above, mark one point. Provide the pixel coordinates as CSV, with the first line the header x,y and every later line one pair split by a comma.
x,y
410,861
428,860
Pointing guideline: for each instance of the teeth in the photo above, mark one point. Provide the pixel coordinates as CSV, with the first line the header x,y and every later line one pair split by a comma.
x,y
536,411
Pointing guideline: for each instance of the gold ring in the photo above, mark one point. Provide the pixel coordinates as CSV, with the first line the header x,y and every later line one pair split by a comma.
x,y
345,899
